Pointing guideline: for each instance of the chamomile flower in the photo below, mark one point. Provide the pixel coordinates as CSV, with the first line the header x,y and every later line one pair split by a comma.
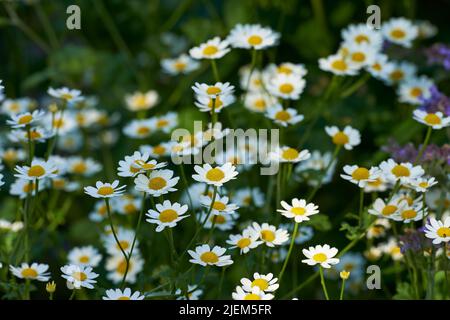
x,y
167,215
159,182
183,64
362,34
403,172
62,123
338,65
438,231
79,276
249,239
35,134
286,86
204,255
221,221
254,294
23,187
219,205
378,66
12,156
396,72
377,185
252,36
15,106
435,120
323,255
137,163
378,228
193,293
348,138
126,294
259,101
284,117
385,209
84,256
22,120
400,31
270,235
105,189
127,205
38,170
85,167
288,154
139,101
249,196
360,175
70,96
391,248
125,238
35,271
426,29
116,267
139,129
99,212
206,104
159,150
214,90
167,122
285,68
360,55
299,210
211,49
253,82
422,184
265,282
409,213
216,176
415,90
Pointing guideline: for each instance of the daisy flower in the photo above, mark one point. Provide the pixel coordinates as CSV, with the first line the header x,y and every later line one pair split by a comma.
x,y
382,209
392,248
434,120
219,204
139,101
193,293
255,294
157,151
62,123
265,282
284,117
348,138
68,95
35,271
422,184
12,156
426,29
183,64
299,210
269,234
167,122
400,31
378,228
222,221
125,237
285,68
137,163
167,215
286,86
15,106
323,255
105,190
362,34
85,167
438,231
360,55
127,205
118,294
249,196
79,276
159,182
360,175
22,120
38,170
415,90
84,256
211,49
249,239
338,65
397,72
23,187
99,212
403,172
212,91
378,67
139,129
409,213
252,36
35,134
252,82
206,104
288,154
116,267
259,101
216,176
377,185
205,256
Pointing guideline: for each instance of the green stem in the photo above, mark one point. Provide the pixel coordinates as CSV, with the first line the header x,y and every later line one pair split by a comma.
x,y
291,246
424,145
361,207
322,281
350,90
111,224
215,70
341,296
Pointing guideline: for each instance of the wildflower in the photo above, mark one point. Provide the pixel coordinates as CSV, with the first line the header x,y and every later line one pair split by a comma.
x,y
435,120
323,255
211,49
360,175
125,242
252,36
259,101
287,68
38,170
105,190
360,55
85,167
403,172
35,271
139,129
299,210
23,187
265,282
415,90
216,176
249,196
382,209
252,82
222,221
157,151
284,117
269,234
254,294
204,256
127,205
206,103
249,239
378,228
437,230
137,163
193,293
139,101
378,67
408,213
422,184
68,95
286,86
15,106
167,122
84,256
212,91
50,287
362,34
35,134
117,294
392,248
397,72
79,276
377,185
159,182
338,65
117,265
344,274
167,215
348,138
400,31
183,64
220,204
22,120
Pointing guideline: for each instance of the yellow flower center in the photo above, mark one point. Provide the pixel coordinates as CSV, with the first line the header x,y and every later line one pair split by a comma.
x,y
29,273
29,187
34,134
143,131
298,211
129,208
283,115
216,102
376,67
260,104
124,244
79,167
83,259
290,154
252,296
122,267
123,298
361,38
339,65
218,219
432,119
25,119
320,257
179,66
409,214
261,283
213,90
340,138
400,171
162,123
80,276
397,75
398,34
267,235
210,50
358,57
157,183
286,88
215,174
443,232
416,92
254,40
168,215
284,69
243,243
377,182
361,174
66,96
159,150
36,171
219,206
388,210
105,191
209,257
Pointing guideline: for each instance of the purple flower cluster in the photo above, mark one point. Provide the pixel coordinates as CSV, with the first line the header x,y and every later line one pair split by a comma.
x,y
408,152
414,240
439,54
437,102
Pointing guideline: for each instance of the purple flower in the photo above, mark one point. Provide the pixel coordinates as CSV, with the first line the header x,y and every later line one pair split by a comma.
x,y
439,54
436,102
